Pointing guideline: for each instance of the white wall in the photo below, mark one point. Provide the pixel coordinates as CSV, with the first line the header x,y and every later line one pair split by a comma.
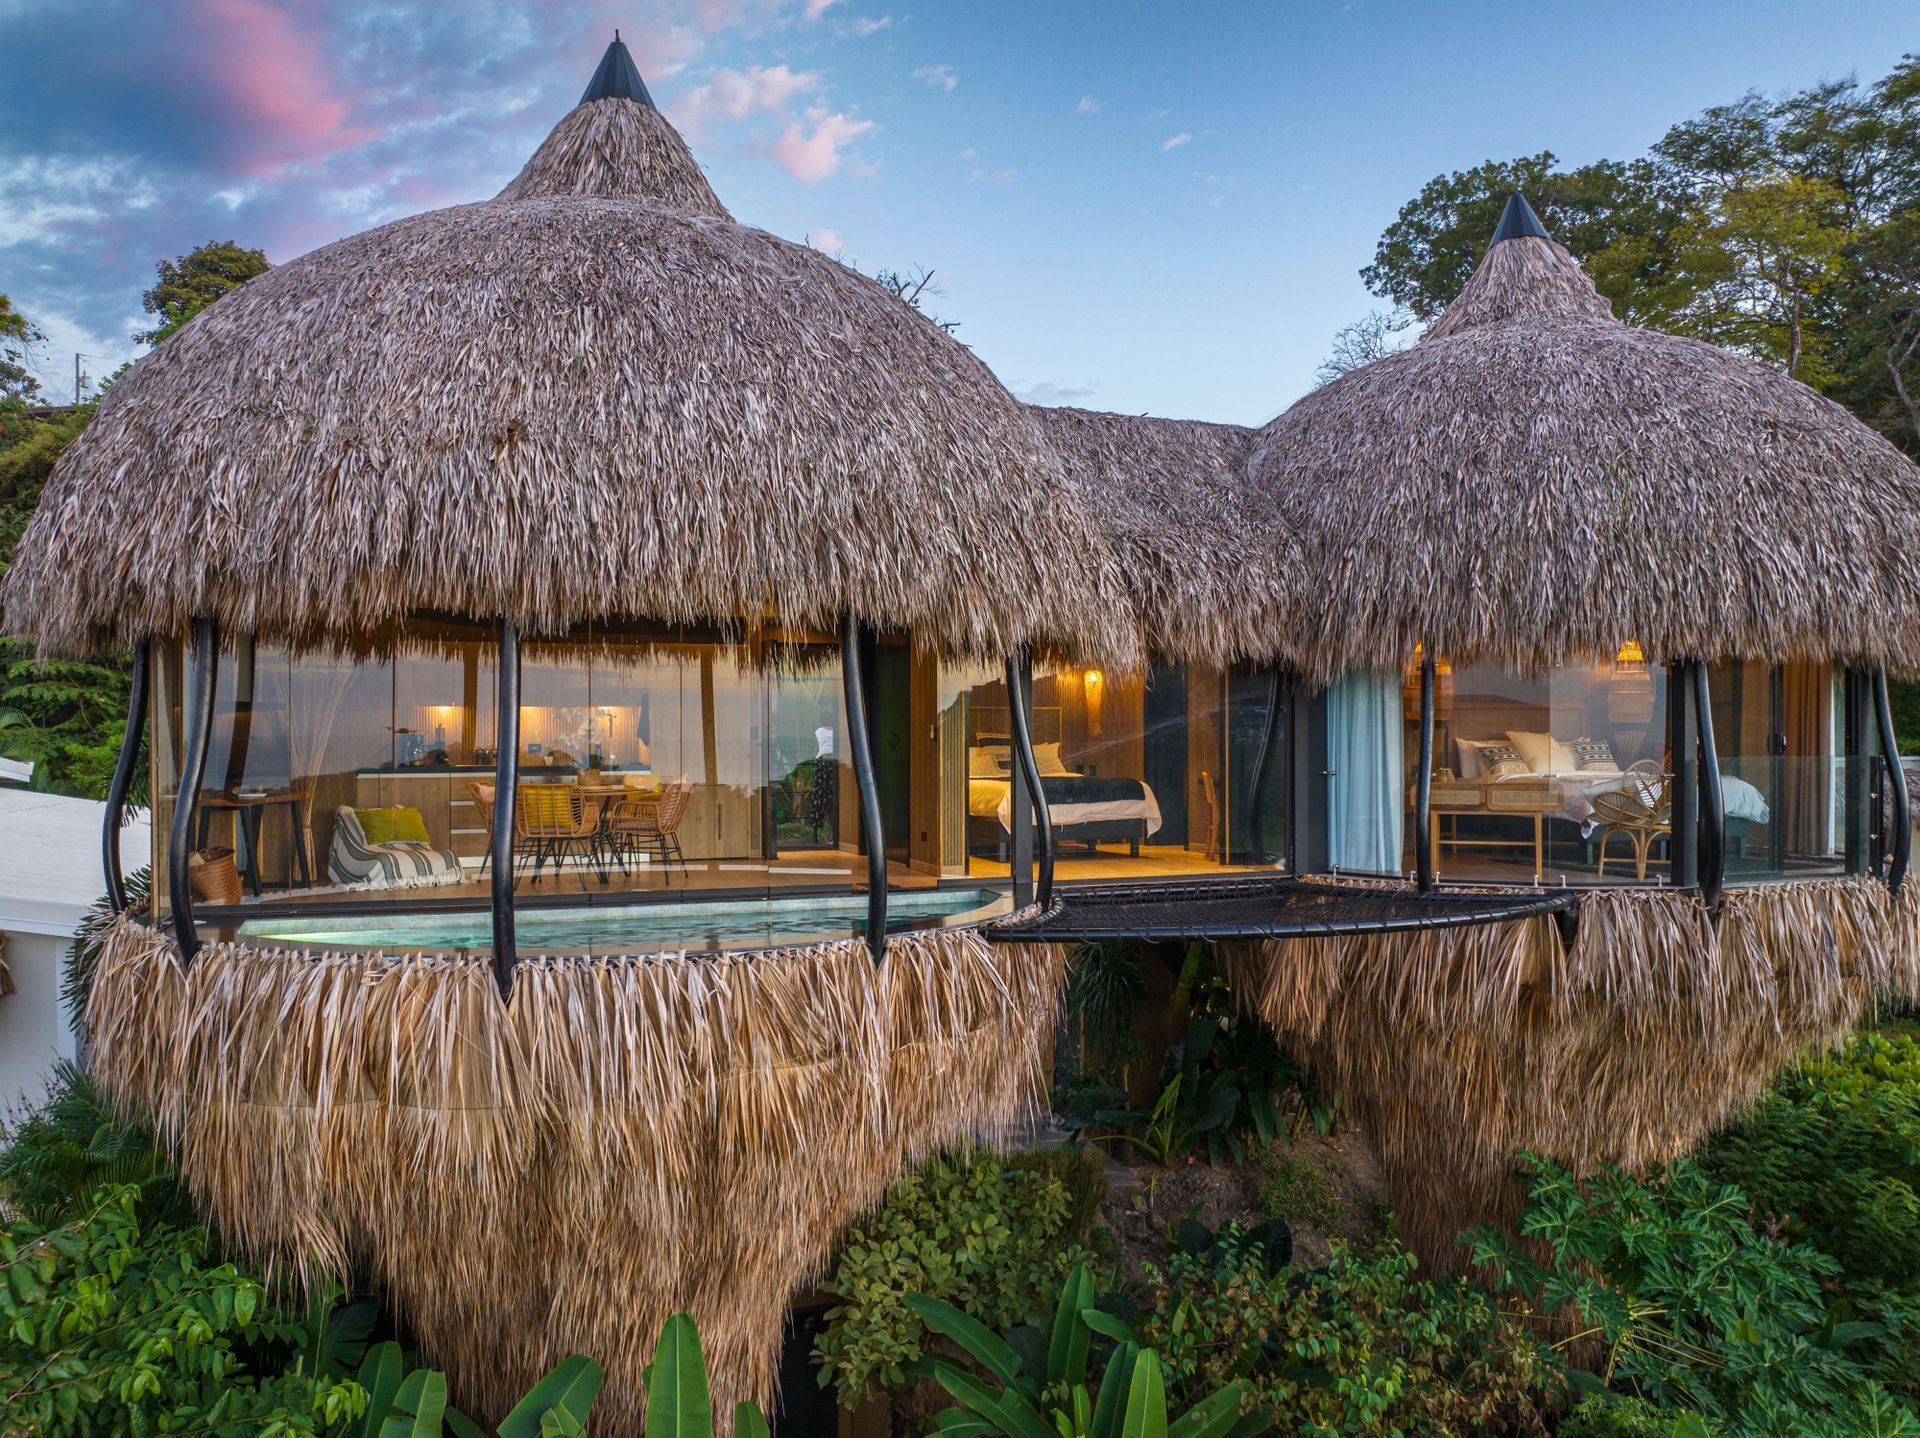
x,y
34,1029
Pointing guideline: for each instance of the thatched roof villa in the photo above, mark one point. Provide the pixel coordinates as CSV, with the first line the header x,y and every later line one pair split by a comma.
x,y
636,714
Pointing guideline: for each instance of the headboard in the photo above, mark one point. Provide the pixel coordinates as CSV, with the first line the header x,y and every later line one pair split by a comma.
x,y
991,724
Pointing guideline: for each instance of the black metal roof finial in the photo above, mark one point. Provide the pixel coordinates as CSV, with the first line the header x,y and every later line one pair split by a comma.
x,y
1516,220
617,77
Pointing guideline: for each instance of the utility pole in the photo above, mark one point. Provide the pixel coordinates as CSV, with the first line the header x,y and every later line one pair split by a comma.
x,y
79,378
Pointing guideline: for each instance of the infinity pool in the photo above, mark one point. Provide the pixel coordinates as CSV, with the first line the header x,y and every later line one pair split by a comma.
x,y
641,928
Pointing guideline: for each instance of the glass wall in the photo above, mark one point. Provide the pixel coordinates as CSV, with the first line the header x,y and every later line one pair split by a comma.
x,y
648,761
1144,775
1553,777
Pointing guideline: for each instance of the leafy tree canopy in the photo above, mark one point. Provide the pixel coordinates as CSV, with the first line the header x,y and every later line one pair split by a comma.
x,y
1786,227
186,286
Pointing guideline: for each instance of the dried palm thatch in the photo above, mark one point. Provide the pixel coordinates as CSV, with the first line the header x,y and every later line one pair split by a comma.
x,y
1535,482
625,1139
593,395
1458,1048
1214,578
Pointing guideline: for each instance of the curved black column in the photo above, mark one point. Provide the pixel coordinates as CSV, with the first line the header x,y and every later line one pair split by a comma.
x,y
123,781
506,785
1019,706
203,664
1713,804
872,829
1900,822
1423,780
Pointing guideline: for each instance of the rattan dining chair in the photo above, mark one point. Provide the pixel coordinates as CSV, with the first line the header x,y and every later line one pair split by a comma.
x,y
1641,808
650,824
483,801
555,822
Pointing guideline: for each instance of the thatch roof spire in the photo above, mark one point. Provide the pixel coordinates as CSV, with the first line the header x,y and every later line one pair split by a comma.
x,y
1527,276
616,145
617,77
1516,220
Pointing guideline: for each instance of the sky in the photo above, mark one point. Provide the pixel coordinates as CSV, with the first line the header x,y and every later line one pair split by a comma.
x,y
1134,206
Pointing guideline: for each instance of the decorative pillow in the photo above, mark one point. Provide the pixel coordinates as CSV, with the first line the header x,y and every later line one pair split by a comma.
x,y
1467,758
1499,760
1594,755
1544,753
1046,758
985,763
398,825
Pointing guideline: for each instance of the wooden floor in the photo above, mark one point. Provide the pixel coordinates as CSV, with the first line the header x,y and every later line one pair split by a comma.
x,y
1112,861
794,869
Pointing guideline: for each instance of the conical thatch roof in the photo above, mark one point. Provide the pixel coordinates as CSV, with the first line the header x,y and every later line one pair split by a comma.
x,y
592,395
1214,578
1536,481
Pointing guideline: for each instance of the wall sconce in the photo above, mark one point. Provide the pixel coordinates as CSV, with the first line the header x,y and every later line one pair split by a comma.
x,y
1094,683
1630,696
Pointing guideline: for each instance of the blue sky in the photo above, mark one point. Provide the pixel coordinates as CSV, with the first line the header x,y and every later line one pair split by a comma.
x,y
1142,207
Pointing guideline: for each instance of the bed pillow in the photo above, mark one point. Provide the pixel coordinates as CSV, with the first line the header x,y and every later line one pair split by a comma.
x,y
1499,759
1046,758
1594,756
1543,753
985,763
398,825
1466,758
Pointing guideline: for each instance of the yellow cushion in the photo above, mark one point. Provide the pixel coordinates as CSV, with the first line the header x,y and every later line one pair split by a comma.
x,y
397,825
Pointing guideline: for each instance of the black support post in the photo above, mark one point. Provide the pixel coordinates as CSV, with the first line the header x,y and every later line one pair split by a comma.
x,y
1019,710
123,780
506,787
1899,838
1683,840
1423,779
1857,818
873,837
1713,807
203,665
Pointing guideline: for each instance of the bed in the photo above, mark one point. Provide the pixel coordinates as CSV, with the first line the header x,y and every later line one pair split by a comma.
x,y
1085,808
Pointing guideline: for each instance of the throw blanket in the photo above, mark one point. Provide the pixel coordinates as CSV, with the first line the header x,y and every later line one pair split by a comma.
x,y
356,864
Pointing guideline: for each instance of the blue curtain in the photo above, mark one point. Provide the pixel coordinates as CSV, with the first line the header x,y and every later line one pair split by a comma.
x,y
1365,810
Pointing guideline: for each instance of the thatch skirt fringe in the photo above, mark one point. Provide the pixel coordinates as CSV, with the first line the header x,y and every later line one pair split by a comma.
x,y
1457,1048
625,1139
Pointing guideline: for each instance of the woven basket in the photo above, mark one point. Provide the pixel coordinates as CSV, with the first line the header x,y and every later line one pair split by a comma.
x,y
213,878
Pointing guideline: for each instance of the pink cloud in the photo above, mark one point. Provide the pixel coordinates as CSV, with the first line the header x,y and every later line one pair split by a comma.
x,y
265,73
811,157
736,94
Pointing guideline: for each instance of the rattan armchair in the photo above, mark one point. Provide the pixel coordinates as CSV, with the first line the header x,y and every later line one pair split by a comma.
x,y
650,824
1641,808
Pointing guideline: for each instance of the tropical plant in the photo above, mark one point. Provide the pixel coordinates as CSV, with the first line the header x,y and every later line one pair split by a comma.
x,y
1104,986
1031,1387
992,1240
679,1403
1696,1310
109,1326
405,1402
1356,1347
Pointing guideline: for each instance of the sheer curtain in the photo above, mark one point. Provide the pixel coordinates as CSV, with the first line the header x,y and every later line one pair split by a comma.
x,y
1364,737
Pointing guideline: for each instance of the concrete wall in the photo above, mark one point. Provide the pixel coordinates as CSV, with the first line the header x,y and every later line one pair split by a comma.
x,y
34,1028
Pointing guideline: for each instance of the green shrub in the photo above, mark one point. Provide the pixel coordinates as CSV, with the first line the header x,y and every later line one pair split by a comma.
x,y
1297,1190
1697,1309
1358,1347
993,1241
1606,1415
1081,1170
111,1327
1833,1153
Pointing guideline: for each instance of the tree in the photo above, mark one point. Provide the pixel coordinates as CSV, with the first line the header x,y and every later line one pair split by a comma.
x,y
18,385
186,286
1359,344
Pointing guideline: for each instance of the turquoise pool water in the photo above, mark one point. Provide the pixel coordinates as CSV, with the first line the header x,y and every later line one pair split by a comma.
x,y
640,928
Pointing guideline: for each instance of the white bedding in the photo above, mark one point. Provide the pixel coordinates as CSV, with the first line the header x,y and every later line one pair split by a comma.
x,y
1741,799
993,799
